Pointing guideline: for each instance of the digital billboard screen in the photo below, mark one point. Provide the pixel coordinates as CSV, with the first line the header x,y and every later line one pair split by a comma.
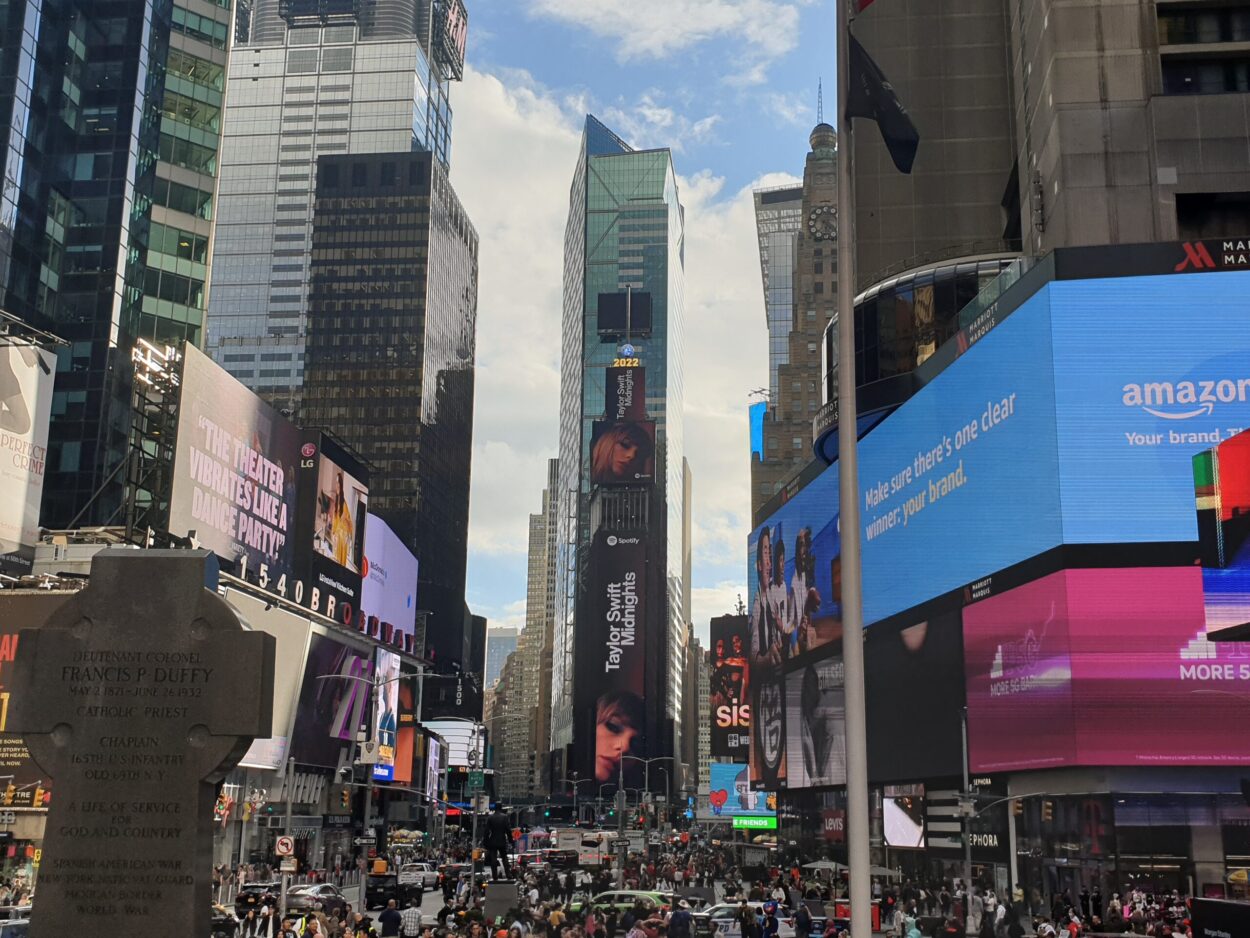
x,y
614,652
768,730
388,582
730,794
334,505
621,313
1102,667
622,452
27,374
730,685
332,701
386,714
235,467
1069,422
903,816
625,392
1222,487
816,725
915,692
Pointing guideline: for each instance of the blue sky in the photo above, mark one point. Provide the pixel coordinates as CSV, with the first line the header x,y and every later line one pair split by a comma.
x,y
730,86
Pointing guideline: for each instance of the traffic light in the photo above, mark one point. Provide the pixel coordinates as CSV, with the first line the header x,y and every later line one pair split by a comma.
x,y
10,793
1048,811
547,812
1017,807
39,794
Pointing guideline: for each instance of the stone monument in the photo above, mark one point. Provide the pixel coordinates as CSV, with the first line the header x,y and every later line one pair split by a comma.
x,y
137,697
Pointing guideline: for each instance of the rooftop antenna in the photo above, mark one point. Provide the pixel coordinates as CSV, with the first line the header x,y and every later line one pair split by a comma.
x,y
820,101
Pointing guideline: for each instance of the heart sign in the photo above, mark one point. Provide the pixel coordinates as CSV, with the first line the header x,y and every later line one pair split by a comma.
x,y
718,799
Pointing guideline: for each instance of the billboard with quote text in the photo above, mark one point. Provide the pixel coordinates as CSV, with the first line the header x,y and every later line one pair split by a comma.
x,y
1074,421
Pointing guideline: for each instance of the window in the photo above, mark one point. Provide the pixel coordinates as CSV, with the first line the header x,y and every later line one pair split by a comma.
x,y
797,442
1206,75
819,287
199,27
337,60
301,61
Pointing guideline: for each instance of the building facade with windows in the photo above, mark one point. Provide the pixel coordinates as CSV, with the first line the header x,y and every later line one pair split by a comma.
x,y
109,122
389,363
797,230
312,81
619,527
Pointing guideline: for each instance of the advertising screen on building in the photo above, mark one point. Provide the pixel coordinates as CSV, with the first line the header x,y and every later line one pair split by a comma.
x,y
386,714
615,654
625,390
332,702
621,313
816,725
1222,487
27,374
731,795
433,768
1102,667
388,582
902,816
1070,422
334,503
20,611
622,452
235,468
768,730
915,669
730,688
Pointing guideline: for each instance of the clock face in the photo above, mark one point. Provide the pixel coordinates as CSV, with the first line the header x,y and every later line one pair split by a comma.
x,y
822,223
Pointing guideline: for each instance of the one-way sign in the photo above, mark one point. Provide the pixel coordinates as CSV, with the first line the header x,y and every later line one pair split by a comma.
x,y
365,841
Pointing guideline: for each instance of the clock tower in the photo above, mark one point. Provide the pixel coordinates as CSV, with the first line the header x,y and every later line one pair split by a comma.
x,y
787,442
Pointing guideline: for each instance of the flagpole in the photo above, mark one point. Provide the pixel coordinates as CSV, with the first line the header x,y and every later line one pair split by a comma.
x,y
848,495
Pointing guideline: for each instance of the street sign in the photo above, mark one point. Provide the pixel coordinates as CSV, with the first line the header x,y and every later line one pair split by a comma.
x,y
284,846
8,817
477,780
368,752
366,841
749,823
290,865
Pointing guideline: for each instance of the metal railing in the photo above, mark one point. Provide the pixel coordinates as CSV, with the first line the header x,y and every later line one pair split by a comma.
x,y
348,879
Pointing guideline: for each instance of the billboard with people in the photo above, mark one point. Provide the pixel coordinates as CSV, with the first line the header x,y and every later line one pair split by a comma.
x,y
730,688
622,452
613,654
333,700
27,374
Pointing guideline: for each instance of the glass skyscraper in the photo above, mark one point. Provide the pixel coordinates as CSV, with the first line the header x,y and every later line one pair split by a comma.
x,y
315,78
109,137
389,363
624,238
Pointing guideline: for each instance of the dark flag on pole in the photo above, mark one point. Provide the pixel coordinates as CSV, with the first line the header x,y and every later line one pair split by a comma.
x,y
873,97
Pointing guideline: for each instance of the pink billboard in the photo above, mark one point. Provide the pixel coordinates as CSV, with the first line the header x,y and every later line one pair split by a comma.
x,y
1103,667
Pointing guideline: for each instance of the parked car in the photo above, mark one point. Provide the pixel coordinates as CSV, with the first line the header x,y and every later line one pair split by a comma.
x,y
301,899
252,896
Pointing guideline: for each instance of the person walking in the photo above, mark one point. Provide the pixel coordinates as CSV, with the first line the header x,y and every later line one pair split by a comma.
x,y
410,920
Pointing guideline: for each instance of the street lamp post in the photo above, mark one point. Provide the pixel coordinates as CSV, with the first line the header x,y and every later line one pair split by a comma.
x,y
646,783
574,781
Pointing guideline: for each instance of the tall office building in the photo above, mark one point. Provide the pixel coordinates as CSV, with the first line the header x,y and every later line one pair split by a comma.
x,y
799,226
619,629
1041,126
109,121
500,642
313,79
540,617
389,359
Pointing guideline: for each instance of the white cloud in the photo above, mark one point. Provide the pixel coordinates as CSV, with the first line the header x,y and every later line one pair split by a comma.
x,y
767,29
649,122
513,156
514,153
791,108
718,600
